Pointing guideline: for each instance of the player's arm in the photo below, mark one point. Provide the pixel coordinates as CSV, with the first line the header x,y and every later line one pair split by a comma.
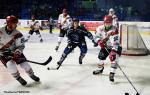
x,y
68,35
38,25
19,43
86,33
59,22
89,35
30,25
98,35
69,22
99,39
115,21
115,42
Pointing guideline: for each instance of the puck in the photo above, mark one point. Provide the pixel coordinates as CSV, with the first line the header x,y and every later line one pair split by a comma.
x,y
48,68
126,93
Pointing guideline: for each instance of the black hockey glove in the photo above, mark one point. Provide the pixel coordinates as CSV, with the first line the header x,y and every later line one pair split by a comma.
x,y
95,44
7,55
16,55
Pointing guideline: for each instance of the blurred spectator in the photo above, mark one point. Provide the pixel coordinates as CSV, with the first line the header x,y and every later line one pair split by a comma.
x,y
127,10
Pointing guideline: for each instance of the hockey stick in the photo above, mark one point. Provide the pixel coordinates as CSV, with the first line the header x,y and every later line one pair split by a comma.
x,y
39,63
137,93
10,55
44,63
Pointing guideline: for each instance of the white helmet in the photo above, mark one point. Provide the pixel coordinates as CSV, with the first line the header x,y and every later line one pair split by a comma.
x,y
111,10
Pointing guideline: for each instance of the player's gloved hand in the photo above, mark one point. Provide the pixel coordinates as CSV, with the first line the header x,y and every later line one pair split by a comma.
x,y
16,55
95,44
105,39
101,44
112,55
7,54
59,25
111,33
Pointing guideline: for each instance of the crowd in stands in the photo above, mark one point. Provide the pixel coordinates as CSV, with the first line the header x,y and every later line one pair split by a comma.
x,y
43,9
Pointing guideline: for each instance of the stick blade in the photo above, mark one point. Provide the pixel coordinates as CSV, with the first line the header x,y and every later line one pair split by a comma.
x,y
48,60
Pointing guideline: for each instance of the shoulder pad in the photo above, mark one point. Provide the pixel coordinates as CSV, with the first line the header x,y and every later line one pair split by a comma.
x,y
17,35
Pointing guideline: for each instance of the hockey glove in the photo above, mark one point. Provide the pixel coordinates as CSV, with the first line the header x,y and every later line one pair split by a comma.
x,y
112,55
7,54
101,44
16,55
59,25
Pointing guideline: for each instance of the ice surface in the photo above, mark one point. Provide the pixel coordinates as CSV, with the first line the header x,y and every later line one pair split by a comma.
x,y
75,79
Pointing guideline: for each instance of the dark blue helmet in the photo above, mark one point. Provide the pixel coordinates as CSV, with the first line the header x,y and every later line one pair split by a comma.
x,y
75,20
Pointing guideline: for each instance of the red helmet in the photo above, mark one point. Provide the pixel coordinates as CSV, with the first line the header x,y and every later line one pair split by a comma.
x,y
11,19
108,19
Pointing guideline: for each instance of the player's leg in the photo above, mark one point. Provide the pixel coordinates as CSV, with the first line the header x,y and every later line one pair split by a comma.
x,y
60,38
50,29
23,64
67,50
39,35
102,57
114,56
30,33
83,51
29,71
12,68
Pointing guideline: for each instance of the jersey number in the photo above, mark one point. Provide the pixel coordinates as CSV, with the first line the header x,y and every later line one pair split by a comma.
x,y
115,38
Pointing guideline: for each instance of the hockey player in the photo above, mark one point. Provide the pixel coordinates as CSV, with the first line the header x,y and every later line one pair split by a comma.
x,y
11,50
35,27
76,37
115,18
64,23
51,24
108,40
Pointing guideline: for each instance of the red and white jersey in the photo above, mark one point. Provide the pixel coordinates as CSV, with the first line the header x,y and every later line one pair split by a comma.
x,y
13,41
34,25
65,22
115,20
112,40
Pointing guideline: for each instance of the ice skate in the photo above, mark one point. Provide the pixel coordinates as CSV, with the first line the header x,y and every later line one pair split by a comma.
x,y
111,77
35,78
95,72
80,61
21,81
57,47
59,63
41,40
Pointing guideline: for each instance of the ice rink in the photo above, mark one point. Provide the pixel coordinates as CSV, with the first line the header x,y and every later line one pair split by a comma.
x,y
75,79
